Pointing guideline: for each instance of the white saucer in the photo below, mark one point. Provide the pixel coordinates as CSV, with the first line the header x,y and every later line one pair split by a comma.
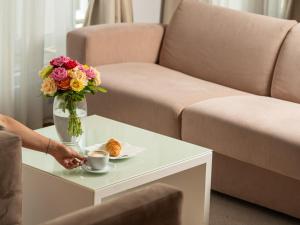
x,y
104,170
128,150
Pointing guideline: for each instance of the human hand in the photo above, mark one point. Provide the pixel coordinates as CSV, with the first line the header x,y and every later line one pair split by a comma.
x,y
66,156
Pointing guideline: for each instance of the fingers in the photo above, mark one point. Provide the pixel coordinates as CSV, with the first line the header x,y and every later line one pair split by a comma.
x,y
71,163
78,156
75,154
69,158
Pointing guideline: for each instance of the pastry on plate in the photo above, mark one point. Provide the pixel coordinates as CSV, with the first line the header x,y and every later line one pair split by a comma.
x,y
113,147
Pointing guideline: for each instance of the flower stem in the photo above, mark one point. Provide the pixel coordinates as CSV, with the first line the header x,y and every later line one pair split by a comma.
x,y
74,126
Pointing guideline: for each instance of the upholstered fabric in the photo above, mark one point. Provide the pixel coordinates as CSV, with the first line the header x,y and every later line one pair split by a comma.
x,y
155,205
286,81
261,131
106,44
257,185
10,179
151,96
228,47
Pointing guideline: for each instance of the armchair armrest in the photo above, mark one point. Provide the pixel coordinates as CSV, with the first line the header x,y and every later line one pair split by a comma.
x,y
154,205
10,179
117,43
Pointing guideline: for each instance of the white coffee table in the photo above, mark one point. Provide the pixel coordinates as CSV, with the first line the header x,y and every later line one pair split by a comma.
x,y
50,191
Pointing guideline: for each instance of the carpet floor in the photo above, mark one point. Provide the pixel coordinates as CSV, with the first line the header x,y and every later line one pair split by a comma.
x,y
226,210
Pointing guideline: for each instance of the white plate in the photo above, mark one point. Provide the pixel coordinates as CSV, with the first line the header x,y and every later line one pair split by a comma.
x,y
127,150
104,170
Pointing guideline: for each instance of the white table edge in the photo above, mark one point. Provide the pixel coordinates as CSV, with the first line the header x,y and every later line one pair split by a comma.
x,y
57,177
141,178
157,174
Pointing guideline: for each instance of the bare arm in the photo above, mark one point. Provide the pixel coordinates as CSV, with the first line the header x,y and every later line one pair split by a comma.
x,y
31,139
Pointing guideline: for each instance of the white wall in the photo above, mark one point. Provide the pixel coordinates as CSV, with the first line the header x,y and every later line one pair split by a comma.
x,y
146,11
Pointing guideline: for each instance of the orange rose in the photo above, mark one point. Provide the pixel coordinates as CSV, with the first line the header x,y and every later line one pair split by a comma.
x,y
49,87
64,84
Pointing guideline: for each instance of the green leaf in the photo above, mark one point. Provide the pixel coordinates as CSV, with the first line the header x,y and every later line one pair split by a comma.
x,y
46,71
101,89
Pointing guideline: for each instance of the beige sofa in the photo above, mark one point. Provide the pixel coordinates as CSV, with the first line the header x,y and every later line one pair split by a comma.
x,y
215,77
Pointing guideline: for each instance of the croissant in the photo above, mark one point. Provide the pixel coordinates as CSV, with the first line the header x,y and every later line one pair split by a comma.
x,y
113,147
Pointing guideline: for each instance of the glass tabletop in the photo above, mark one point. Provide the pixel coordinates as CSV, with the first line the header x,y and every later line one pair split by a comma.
x,y
160,152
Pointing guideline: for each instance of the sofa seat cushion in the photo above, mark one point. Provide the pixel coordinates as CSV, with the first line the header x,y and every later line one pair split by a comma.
x,y
262,131
151,96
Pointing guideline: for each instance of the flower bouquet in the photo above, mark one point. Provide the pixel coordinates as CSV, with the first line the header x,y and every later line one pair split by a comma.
x,y
69,81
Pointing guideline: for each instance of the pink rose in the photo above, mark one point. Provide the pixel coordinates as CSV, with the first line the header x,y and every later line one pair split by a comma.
x,y
89,71
59,61
59,74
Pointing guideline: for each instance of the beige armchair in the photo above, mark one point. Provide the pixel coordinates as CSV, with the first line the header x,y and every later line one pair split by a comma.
x,y
10,179
156,204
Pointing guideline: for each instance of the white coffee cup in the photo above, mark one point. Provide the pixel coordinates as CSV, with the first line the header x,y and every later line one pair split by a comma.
x,y
98,159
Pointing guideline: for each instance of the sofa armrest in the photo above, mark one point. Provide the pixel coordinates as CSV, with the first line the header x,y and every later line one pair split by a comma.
x,y
10,179
154,205
117,43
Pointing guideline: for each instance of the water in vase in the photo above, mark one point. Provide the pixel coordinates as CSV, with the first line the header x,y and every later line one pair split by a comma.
x,y
61,121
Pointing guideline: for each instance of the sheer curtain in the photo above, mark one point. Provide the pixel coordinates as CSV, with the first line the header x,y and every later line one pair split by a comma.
x,y
276,8
60,18
112,11
31,33
21,56
295,13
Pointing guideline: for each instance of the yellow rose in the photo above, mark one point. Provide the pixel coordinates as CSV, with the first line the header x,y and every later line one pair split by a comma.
x,y
77,85
97,78
78,75
86,67
48,87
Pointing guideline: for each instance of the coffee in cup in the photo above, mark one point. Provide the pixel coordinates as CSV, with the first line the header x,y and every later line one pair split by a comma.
x,y
98,159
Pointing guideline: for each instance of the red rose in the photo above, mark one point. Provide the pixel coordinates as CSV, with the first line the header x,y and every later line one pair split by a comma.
x,y
70,64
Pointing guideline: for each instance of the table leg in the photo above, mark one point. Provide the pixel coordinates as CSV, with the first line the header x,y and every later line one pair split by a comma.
x,y
195,184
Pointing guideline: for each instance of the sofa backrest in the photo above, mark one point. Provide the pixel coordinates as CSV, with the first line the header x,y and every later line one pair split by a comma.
x,y
286,80
228,47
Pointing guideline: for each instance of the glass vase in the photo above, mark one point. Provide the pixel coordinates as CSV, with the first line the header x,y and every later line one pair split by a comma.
x,y
69,118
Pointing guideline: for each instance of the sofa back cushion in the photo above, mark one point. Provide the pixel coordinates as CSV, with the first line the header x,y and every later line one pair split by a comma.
x,y
286,81
228,47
